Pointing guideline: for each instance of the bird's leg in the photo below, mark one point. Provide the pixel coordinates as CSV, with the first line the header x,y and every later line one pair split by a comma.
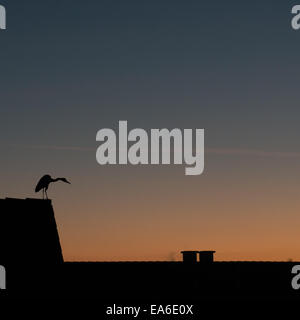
x,y
46,194
43,193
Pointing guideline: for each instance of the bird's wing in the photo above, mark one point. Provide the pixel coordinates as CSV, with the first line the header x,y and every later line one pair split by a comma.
x,y
41,184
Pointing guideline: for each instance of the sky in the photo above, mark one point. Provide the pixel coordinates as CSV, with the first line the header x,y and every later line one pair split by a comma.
x,y
69,68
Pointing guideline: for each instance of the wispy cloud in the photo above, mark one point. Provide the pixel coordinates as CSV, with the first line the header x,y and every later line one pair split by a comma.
x,y
252,152
215,151
52,147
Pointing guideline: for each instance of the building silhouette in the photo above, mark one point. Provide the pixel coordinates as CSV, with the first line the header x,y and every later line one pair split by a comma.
x,y
31,253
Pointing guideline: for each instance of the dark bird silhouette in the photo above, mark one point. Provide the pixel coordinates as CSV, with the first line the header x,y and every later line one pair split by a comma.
x,y
44,182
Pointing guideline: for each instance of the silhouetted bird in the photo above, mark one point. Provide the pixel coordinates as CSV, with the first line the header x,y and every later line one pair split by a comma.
x,y
44,182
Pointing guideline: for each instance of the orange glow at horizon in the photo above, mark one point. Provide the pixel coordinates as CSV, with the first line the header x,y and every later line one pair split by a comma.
x,y
144,218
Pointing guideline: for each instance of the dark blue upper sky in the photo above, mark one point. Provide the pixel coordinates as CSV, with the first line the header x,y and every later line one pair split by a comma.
x,y
84,65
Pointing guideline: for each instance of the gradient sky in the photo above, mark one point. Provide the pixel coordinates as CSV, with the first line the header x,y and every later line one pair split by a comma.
x,y
69,68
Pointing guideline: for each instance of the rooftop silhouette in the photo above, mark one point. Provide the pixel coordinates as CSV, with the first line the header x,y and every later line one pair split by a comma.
x,y
31,253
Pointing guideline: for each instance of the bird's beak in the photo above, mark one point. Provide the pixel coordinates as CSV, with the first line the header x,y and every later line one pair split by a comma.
x,y
67,181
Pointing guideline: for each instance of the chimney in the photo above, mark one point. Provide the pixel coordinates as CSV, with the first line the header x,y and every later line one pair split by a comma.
x,y
29,233
206,256
189,256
